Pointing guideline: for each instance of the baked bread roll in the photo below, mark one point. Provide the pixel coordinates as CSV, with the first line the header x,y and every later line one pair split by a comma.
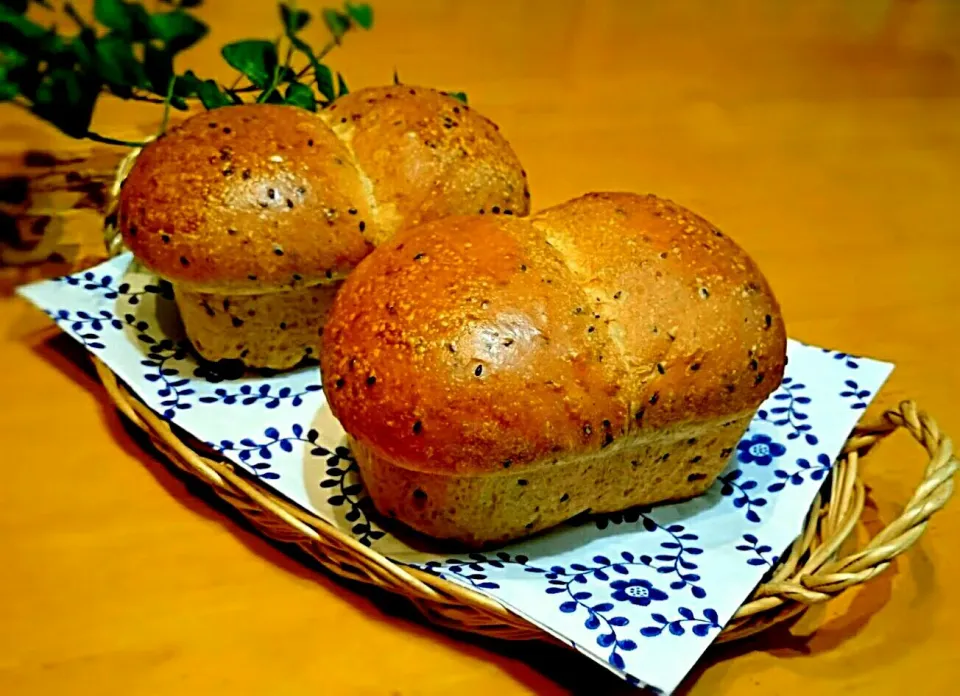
x,y
498,376
256,213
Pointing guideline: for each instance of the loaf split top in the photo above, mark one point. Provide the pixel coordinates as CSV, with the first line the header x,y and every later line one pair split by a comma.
x,y
477,343
257,198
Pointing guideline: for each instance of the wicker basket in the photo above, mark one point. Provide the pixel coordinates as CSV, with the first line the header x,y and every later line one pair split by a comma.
x,y
816,568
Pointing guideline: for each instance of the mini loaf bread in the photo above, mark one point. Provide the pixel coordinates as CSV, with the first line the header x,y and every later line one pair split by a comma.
x,y
256,213
498,376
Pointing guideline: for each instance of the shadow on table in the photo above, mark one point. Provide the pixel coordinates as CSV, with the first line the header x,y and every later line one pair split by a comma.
x,y
544,668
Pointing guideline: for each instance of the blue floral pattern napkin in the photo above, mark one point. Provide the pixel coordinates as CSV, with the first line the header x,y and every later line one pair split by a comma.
x,y
643,592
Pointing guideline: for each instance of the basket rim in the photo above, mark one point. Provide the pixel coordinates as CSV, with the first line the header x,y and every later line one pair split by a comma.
x,y
813,571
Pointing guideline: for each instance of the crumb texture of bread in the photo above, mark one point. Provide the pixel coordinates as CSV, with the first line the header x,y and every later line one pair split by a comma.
x,y
260,198
493,343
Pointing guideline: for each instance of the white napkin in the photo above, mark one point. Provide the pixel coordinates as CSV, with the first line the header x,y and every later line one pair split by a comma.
x,y
642,592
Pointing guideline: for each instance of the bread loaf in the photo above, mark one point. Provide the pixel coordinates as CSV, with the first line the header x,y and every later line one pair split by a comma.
x,y
256,213
498,376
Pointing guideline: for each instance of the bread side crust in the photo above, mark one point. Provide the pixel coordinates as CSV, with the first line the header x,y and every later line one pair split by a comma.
x,y
668,464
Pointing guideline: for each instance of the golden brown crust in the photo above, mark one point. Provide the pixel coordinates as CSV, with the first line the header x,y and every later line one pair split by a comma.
x,y
257,198
246,198
474,343
428,155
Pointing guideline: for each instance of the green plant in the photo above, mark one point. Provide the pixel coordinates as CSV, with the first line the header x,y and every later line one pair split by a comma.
x,y
129,51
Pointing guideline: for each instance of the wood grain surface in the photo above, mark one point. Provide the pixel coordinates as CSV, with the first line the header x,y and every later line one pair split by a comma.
x,y
823,135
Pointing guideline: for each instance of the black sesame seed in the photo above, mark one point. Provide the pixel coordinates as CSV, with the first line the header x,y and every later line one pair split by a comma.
x,y
665,456
696,459
228,171
289,203
419,494
578,310
521,482
758,379
251,277
639,414
226,305
371,380
768,321
184,261
661,369
339,383
308,350
591,329
343,120
507,463
271,193
704,293
236,321
310,142
328,273
283,326
694,367
564,498
495,210
726,452
227,131
523,267
730,388
617,294
362,225
165,238
352,211
696,477
245,173
278,251
419,256
507,211
212,125
692,441
417,428
663,254
478,371
754,365
655,398
297,277
133,230
208,309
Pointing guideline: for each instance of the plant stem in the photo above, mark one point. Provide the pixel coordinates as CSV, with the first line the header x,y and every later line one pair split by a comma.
x,y
166,107
96,137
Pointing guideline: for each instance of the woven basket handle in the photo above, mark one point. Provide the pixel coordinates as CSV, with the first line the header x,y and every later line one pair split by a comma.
x,y
930,496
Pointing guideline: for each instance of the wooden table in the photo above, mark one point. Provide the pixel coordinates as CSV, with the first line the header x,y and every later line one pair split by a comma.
x,y
824,136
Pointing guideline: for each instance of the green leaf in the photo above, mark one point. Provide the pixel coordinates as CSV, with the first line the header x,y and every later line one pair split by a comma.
x,y
293,20
341,86
17,6
337,22
324,79
113,14
300,95
256,59
117,65
462,96
177,29
187,85
158,65
362,14
21,25
8,90
234,97
211,96
65,101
